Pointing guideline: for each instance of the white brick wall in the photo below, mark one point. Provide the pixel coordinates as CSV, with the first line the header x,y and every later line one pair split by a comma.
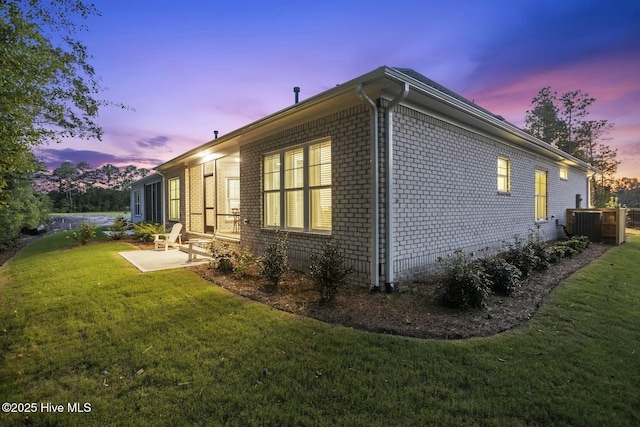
x,y
446,192
349,132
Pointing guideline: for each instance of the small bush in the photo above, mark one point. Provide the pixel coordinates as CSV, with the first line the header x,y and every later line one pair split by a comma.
x,y
578,243
85,233
244,261
568,248
328,271
559,251
522,256
538,248
119,228
144,231
504,277
463,283
224,257
275,262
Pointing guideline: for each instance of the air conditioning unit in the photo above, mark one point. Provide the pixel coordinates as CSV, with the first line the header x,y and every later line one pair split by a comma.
x,y
587,224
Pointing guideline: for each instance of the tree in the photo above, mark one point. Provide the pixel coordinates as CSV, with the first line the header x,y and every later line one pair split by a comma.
x,y
628,192
543,120
47,87
562,122
22,206
66,176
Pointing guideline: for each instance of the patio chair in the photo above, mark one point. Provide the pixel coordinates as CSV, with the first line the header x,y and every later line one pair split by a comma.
x,y
173,238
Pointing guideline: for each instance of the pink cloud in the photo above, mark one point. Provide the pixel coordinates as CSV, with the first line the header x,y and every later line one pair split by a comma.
x,y
611,80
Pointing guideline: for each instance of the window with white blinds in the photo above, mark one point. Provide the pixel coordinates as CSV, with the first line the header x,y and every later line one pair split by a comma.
x,y
541,195
303,202
174,198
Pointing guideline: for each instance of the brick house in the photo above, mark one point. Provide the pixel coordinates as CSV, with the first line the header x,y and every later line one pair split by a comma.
x,y
397,168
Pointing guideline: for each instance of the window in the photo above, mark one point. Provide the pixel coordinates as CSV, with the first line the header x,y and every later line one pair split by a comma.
x,y
272,190
541,195
233,194
297,188
137,205
174,198
320,185
564,174
504,175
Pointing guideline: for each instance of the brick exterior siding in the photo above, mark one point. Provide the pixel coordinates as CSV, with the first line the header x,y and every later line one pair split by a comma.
x,y
446,197
351,188
444,179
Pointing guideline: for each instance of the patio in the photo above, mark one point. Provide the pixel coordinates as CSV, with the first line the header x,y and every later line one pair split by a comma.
x,y
155,260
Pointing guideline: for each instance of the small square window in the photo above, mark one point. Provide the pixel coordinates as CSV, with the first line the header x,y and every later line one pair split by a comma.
x,y
564,174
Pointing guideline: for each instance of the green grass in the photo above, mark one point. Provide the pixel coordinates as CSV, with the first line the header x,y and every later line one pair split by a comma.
x,y
81,324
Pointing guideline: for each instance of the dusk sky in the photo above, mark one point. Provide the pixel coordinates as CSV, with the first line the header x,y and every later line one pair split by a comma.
x,y
191,67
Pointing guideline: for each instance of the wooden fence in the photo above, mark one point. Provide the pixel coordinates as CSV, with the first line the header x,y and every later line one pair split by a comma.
x,y
599,224
633,219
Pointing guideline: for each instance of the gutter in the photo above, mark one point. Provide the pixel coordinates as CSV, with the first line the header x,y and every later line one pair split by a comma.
x,y
375,191
389,217
476,112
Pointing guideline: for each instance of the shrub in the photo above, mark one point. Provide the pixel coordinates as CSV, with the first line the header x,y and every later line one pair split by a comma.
x,y
578,243
504,277
328,271
559,251
463,283
144,231
522,256
85,233
538,247
275,262
224,257
119,228
568,248
244,261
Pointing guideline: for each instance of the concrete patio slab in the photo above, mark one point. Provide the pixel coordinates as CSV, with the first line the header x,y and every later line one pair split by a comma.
x,y
154,260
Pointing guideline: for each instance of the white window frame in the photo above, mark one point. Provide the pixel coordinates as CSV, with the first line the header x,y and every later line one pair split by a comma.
x,y
541,202
174,198
504,175
288,184
137,203
564,174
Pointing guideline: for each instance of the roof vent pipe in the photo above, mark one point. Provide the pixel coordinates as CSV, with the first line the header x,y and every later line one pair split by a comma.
x,y
296,90
215,134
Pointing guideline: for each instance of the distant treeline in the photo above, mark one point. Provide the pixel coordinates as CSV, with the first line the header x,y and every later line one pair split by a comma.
x,y
79,188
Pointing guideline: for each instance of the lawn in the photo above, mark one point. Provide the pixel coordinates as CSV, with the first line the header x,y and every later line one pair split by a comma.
x,y
79,325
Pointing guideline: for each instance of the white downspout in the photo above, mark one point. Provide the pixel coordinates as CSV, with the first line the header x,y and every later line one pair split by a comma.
x,y
375,203
388,116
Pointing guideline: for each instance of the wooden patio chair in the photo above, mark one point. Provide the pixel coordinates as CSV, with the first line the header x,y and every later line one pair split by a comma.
x,y
173,238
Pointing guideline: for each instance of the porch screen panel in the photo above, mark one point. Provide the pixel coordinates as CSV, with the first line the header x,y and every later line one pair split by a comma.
x,y
320,185
196,202
209,196
294,188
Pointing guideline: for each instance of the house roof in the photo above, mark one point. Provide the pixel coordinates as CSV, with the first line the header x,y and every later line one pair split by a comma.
x,y
382,82
437,86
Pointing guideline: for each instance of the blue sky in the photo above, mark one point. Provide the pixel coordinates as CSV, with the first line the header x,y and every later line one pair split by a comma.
x,y
191,67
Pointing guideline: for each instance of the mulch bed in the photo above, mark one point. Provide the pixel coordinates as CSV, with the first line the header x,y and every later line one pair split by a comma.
x,y
411,310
